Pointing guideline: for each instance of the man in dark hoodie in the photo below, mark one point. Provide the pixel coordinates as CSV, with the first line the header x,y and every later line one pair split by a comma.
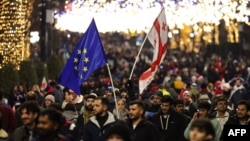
x,y
170,123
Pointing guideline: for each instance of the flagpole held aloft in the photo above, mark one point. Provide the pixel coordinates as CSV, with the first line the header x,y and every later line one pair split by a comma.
x,y
113,89
139,52
137,57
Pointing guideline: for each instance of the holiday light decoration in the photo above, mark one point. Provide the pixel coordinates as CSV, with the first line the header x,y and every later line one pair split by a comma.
x,y
14,30
121,15
192,23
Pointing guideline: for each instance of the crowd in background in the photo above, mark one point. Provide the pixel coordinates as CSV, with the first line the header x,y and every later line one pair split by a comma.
x,y
191,93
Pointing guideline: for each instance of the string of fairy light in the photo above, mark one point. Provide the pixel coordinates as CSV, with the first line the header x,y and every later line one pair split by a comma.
x,y
190,22
14,30
139,14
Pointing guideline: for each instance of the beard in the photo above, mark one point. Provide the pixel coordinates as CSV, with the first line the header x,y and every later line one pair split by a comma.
x,y
98,114
89,107
135,117
46,132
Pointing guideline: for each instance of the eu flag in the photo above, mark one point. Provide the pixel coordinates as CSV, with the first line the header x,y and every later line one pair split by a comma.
x,y
86,58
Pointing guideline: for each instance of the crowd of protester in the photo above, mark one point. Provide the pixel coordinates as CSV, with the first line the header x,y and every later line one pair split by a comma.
x,y
191,98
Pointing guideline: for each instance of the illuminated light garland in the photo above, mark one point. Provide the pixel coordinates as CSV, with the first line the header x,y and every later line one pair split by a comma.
x,y
121,15
14,30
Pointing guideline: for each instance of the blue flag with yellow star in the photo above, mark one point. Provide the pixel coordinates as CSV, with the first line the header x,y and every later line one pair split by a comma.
x,y
86,58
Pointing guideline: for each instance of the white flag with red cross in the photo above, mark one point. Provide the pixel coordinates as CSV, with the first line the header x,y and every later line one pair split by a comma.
x,y
44,84
158,37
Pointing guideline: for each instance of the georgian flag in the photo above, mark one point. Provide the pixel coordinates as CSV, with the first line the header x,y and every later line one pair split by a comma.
x,y
44,84
158,36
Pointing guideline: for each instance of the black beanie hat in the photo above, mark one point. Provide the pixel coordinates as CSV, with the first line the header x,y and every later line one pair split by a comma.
x,y
120,129
91,95
157,93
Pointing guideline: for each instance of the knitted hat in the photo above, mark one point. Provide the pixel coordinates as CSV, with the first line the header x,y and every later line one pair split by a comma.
x,y
50,97
157,93
193,85
178,78
91,95
50,89
187,92
217,83
204,97
199,77
226,86
218,91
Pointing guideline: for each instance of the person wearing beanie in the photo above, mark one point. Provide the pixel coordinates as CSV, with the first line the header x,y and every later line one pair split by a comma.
x,y
194,90
49,99
124,95
70,112
190,102
87,109
119,132
204,90
68,97
226,89
108,93
238,93
153,107
86,113
178,84
204,97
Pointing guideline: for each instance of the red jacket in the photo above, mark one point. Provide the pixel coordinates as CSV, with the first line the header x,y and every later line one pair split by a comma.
x,y
9,119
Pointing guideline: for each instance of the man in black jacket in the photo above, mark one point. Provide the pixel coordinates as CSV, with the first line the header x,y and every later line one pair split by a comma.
x,y
170,123
240,118
97,127
141,128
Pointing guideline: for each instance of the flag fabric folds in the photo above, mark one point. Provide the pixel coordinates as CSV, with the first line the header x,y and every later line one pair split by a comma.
x,y
157,36
44,84
87,57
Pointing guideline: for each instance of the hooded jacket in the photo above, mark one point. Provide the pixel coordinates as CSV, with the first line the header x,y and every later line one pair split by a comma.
x,y
215,124
94,132
172,127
